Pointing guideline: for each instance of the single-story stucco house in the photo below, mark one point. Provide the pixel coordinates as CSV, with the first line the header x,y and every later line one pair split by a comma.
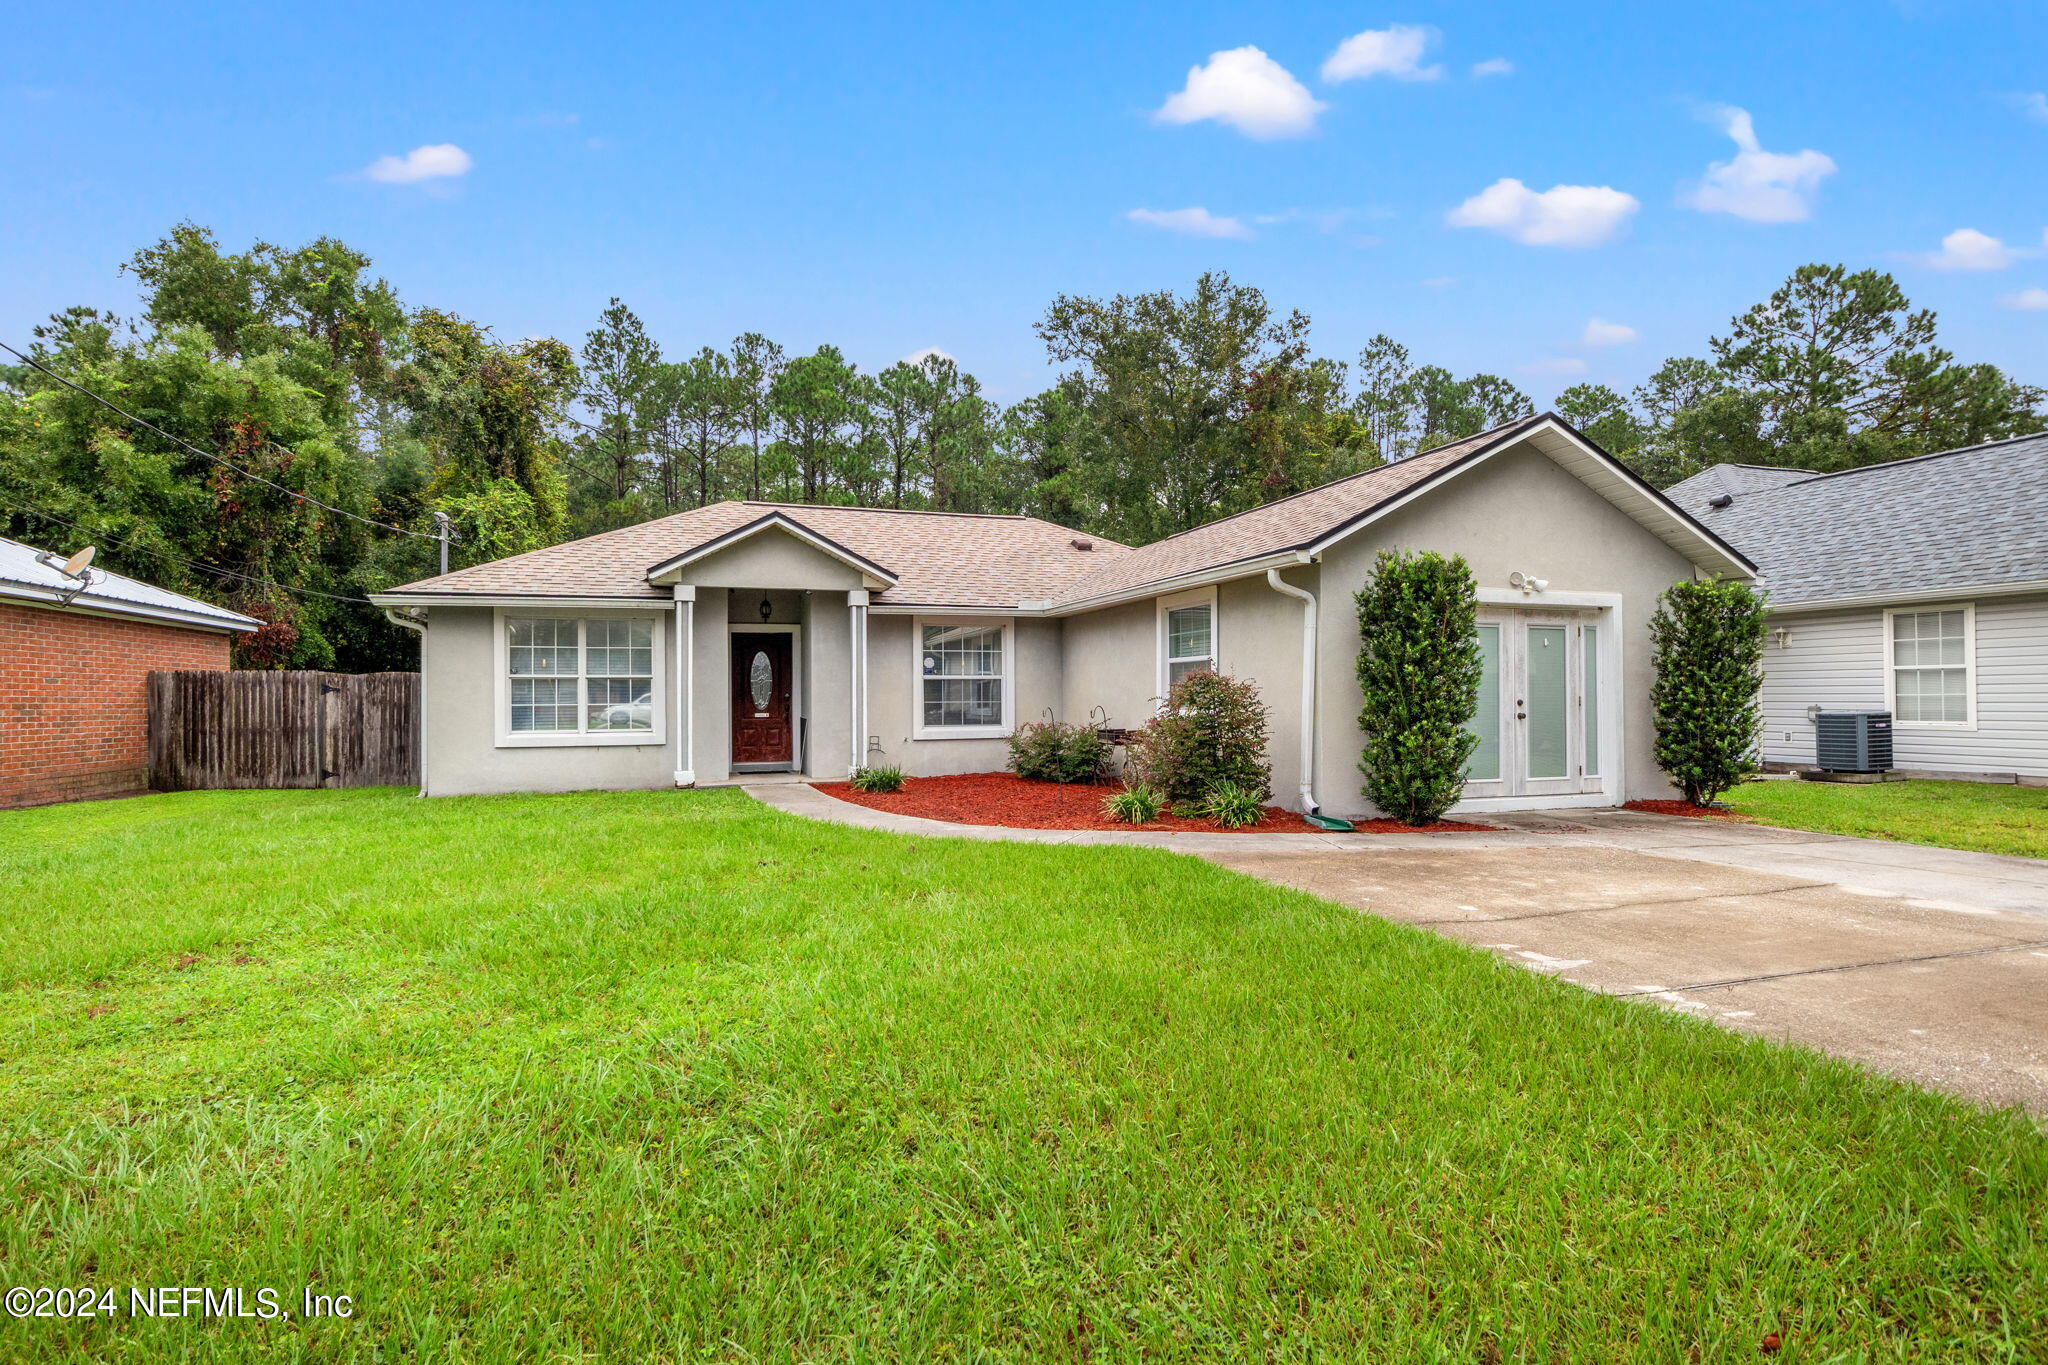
x,y
749,637
1918,587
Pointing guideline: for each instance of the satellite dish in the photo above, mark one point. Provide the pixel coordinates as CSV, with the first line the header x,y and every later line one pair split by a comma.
x,y
75,566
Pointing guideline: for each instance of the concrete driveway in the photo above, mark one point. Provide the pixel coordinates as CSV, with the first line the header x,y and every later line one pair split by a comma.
x,y
1926,963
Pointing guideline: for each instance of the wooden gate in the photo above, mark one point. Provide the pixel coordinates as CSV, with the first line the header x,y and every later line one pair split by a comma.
x,y
223,728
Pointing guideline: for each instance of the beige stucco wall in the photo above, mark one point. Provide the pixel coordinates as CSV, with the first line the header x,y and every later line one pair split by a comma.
x,y
1113,661
458,666
1517,511
893,693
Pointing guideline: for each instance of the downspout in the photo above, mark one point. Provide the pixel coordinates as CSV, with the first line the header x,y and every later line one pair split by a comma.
x,y
416,622
1309,804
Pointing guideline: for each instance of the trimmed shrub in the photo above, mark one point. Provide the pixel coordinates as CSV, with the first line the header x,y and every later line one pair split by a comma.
x,y
1048,751
1418,666
887,778
1132,805
1211,730
1708,640
1232,806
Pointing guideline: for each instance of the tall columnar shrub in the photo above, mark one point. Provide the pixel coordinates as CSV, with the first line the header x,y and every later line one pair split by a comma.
x,y
1709,644
1418,666
1212,730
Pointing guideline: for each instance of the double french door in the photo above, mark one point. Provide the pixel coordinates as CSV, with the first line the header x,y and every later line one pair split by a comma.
x,y
1538,719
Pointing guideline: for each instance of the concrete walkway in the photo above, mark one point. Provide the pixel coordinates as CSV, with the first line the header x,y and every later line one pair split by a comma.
x,y
1930,964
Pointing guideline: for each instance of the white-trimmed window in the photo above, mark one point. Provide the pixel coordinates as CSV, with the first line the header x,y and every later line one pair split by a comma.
x,y
578,680
1187,636
963,679
1930,671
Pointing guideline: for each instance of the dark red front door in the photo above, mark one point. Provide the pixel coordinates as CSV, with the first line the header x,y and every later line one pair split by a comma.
x,y
762,731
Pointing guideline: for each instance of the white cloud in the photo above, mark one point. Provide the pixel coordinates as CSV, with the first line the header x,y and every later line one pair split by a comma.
x,y
928,353
1557,366
1193,222
1969,249
2034,105
437,161
1600,332
1392,51
1439,282
1493,66
1248,90
2027,300
1563,215
1764,187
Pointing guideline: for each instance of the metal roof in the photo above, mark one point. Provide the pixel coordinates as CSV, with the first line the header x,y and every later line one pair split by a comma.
x,y
25,578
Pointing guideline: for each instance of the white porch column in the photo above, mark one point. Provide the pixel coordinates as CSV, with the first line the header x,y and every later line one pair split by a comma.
x,y
857,655
685,686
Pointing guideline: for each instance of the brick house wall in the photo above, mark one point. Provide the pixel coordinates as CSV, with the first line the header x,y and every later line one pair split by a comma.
x,y
74,700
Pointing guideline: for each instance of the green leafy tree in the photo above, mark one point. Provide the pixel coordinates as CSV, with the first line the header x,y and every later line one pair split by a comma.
x,y
1164,377
1605,417
813,400
756,365
1834,370
1708,642
1419,665
489,411
619,364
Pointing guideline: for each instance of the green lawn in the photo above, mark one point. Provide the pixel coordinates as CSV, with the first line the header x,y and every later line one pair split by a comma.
x,y
671,1076
1981,816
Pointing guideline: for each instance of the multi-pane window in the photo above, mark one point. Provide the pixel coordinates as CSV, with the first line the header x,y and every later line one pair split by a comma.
x,y
960,672
1931,666
575,676
1190,641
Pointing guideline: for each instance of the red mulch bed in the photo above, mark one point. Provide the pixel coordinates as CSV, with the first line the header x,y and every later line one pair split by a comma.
x,y
1685,808
1009,801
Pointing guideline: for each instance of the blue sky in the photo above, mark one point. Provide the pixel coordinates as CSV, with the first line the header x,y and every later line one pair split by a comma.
x,y
890,178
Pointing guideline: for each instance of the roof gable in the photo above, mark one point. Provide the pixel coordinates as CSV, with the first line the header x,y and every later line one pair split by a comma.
x,y
777,523
1307,523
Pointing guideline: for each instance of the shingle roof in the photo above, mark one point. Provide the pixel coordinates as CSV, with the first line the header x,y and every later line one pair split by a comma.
x,y
1289,524
952,559
1970,518
941,558
25,578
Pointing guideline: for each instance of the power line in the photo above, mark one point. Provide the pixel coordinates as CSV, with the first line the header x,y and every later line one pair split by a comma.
x,y
36,511
207,454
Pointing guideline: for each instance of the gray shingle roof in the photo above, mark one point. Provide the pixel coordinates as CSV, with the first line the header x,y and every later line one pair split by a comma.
x,y
25,578
1970,518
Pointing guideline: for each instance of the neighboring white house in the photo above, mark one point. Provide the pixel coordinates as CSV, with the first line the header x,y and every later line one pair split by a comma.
x,y
752,637
1919,587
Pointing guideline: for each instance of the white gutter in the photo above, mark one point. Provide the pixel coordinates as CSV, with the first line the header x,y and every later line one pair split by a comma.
x,y
399,616
1309,804
1963,593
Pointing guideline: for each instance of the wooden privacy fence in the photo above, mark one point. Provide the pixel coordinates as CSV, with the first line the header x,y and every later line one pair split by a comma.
x,y
211,729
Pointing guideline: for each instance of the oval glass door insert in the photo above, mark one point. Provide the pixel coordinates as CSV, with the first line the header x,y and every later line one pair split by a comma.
x,y
760,678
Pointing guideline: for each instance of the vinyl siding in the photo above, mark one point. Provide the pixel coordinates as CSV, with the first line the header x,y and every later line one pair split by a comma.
x,y
1836,660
